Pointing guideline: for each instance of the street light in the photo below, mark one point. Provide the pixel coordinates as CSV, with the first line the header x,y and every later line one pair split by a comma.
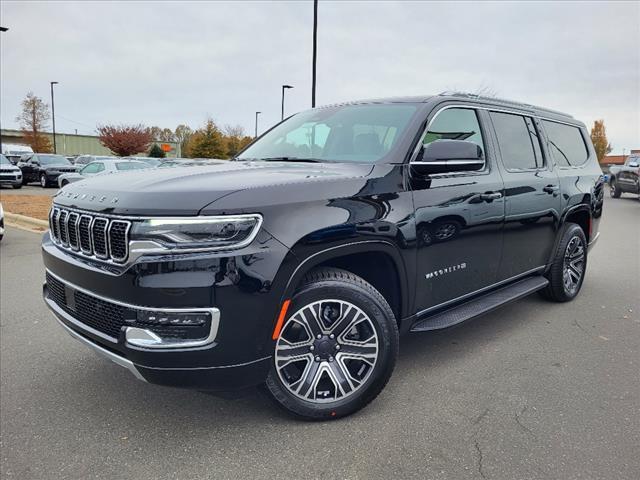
x,y
284,87
53,117
2,29
315,53
256,135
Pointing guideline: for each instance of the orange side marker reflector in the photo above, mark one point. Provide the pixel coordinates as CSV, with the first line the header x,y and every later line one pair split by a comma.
x,y
281,317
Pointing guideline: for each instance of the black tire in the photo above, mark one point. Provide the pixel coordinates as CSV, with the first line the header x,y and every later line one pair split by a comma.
x,y
561,289
17,186
614,191
326,287
64,183
43,181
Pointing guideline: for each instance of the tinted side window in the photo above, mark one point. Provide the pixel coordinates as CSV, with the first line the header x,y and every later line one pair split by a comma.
x,y
566,144
455,124
514,140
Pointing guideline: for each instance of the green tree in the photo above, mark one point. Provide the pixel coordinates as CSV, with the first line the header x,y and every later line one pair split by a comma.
x,y
33,121
156,151
207,142
599,140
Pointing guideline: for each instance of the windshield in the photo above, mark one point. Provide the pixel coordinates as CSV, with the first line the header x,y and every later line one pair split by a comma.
x,y
4,160
348,133
53,160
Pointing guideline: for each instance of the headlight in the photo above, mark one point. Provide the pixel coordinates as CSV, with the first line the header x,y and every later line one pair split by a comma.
x,y
232,231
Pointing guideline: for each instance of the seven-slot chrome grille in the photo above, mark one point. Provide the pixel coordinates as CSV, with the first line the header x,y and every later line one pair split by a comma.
x,y
90,235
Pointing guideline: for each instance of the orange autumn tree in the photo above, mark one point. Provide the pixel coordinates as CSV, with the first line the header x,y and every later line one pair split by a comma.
x,y
33,121
125,140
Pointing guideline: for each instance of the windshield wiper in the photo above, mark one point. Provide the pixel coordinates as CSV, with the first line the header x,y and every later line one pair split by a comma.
x,y
289,159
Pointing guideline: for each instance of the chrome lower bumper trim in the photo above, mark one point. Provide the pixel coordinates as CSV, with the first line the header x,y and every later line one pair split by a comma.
x,y
117,359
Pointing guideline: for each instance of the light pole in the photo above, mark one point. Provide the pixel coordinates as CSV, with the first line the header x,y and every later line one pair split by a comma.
x,y
315,53
284,87
256,134
53,117
2,29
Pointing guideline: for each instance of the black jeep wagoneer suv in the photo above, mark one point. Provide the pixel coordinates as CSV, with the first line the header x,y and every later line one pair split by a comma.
x,y
297,264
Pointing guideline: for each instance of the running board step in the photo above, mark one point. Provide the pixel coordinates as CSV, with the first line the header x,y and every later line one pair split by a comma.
x,y
481,305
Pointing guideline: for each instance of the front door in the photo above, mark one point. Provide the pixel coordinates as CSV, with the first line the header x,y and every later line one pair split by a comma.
x,y
459,217
532,195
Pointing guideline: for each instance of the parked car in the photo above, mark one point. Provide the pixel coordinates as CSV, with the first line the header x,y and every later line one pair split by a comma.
x,y
100,167
298,264
9,173
44,168
625,178
86,159
154,162
189,162
13,152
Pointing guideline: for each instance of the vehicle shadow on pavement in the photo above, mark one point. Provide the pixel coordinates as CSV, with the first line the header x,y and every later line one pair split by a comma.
x,y
101,387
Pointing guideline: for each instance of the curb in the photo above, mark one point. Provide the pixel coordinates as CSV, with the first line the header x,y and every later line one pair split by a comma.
x,y
27,223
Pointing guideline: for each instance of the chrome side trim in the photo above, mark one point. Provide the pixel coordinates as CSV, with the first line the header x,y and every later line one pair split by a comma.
x,y
214,312
524,113
117,359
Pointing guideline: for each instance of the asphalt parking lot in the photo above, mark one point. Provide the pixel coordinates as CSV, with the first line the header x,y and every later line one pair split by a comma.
x,y
534,390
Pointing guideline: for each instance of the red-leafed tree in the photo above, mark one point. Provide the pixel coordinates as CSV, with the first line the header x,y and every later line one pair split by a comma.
x,y
125,140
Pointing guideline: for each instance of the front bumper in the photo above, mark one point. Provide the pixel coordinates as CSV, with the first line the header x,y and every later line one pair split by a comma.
x,y
244,285
144,365
12,180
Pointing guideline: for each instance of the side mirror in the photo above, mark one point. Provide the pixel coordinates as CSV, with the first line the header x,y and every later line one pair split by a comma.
x,y
443,156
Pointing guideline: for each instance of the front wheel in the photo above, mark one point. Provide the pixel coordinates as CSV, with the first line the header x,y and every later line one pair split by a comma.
x,y
337,349
568,266
19,185
43,181
614,191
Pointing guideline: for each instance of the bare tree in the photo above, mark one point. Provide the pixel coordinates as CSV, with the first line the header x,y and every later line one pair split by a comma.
x,y
33,121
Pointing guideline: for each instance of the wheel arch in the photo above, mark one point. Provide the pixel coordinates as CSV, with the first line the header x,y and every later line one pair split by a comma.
x,y
370,260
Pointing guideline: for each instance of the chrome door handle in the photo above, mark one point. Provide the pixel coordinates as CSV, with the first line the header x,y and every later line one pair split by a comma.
x,y
490,196
551,188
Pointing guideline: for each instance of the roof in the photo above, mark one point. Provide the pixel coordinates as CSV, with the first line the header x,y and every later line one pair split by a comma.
x,y
490,101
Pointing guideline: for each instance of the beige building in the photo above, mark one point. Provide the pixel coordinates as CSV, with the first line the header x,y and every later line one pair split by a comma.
x,y
72,144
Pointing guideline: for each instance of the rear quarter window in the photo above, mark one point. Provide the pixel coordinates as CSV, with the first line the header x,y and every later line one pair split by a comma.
x,y
566,144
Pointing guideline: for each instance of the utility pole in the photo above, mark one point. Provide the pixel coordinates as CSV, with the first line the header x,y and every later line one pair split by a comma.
x,y
53,117
256,133
315,53
2,29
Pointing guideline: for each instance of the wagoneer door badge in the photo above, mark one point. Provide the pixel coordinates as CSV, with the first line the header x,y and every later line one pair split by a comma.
x,y
445,270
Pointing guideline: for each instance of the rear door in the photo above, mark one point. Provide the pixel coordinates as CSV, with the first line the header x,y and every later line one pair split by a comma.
x,y
459,217
532,194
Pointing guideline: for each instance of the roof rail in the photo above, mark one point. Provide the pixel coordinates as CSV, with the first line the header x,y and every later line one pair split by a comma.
x,y
501,101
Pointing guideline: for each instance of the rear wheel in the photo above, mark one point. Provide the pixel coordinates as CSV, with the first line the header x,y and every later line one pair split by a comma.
x,y
569,266
337,349
614,191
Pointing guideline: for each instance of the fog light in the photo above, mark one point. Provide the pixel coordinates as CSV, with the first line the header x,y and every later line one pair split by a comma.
x,y
182,319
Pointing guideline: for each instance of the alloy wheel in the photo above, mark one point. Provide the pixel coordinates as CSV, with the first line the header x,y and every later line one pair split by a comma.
x,y
43,181
445,231
573,268
326,351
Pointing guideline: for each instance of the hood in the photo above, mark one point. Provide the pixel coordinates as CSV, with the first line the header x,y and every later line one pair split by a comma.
x,y
187,190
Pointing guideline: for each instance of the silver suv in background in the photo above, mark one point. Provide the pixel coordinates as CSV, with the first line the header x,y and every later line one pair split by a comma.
x,y
100,167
